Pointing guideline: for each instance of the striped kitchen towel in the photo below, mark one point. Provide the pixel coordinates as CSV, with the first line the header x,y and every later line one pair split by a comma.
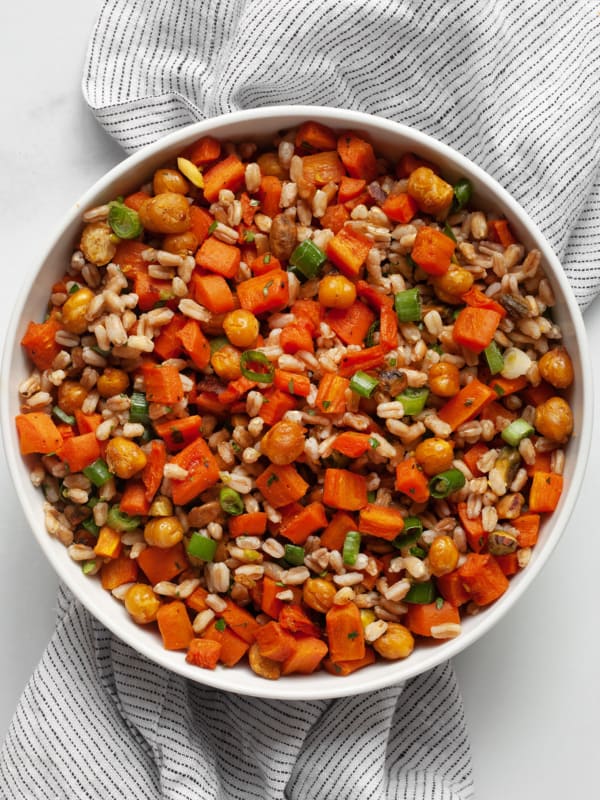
x,y
513,85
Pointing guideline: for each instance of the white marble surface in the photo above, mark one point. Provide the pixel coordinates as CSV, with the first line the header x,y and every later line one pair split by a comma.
x,y
530,687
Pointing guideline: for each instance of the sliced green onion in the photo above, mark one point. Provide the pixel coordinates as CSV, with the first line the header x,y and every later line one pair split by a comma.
x,y
138,408
446,483
371,496
422,593
98,472
308,259
408,305
74,288
294,554
231,501
439,602
202,547
494,358
121,521
90,526
213,226
363,384
517,430
413,528
370,337
413,400
417,552
463,189
255,357
68,419
88,566
124,221
449,232
351,548
218,343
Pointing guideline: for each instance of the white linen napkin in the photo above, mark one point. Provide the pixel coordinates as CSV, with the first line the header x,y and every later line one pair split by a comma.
x,y
513,86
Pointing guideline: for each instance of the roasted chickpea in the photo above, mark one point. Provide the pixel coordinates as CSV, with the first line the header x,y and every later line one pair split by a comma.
x,y
435,455
554,419
181,244
112,381
442,556
169,180
263,666
284,442
269,165
241,327
165,213
556,367
432,193
142,603
98,243
396,642
124,457
444,379
163,532
452,284
226,363
71,395
336,291
75,309
318,593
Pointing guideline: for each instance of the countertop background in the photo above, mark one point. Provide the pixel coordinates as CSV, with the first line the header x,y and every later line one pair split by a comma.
x,y
531,686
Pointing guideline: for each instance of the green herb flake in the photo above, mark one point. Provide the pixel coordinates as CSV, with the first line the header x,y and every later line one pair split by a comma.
x,y
213,226
271,479
468,402
291,386
267,258
220,625
326,404
439,603
266,287
499,390
75,288
374,443
353,634
248,236
254,203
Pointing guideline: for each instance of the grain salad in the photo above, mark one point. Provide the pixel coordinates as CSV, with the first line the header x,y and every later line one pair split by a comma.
x,y
298,404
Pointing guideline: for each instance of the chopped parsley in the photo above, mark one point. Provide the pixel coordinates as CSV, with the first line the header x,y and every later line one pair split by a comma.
x,y
220,625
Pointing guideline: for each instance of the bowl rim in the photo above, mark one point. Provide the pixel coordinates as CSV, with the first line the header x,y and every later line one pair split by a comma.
x,y
330,687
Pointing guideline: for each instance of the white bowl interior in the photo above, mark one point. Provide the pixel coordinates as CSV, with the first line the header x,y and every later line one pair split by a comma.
x,y
389,138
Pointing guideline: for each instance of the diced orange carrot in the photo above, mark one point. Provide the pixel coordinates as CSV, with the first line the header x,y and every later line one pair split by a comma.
x,y
270,604
315,136
476,535
281,484
348,250
225,174
312,518
219,257
205,150
136,200
167,344
350,188
264,293
274,641
357,156
422,617
477,299
324,167
233,647
40,344
129,256
331,394
450,586
432,250
294,619
472,456
152,474
292,382
108,543
335,533
381,521
265,263
308,313
373,296
345,633
352,443
483,578
294,338
350,324
87,423
195,343
133,500
197,600
253,523
466,404
162,563
343,668
163,383
545,492
366,359
240,621
344,489
508,563
528,526
388,328
275,404
501,232
37,433
536,395
400,207
235,390
308,654
494,411
201,221
505,386
178,433
334,217
412,481
203,653
475,327
152,292
269,195
117,572
174,625
213,292
79,452
409,162
202,468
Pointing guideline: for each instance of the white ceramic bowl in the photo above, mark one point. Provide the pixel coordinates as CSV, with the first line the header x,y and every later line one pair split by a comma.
x,y
389,138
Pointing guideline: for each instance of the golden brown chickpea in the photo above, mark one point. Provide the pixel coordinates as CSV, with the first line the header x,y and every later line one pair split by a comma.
x,y
98,243
556,367
396,642
284,442
263,666
336,291
241,327
433,195
318,593
71,395
453,284
142,603
182,244
75,309
226,363
269,165
163,532
554,419
442,556
124,457
435,455
165,213
444,379
169,180
112,381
